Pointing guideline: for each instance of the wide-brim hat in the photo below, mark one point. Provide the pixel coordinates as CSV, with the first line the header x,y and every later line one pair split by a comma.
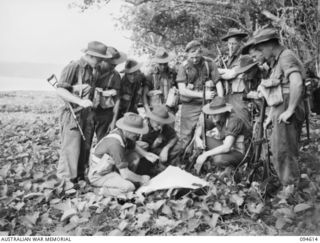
x,y
233,32
117,57
246,63
131,66
97,49
217,106
246,47
161,115
265,35
161,56
132,122
195,44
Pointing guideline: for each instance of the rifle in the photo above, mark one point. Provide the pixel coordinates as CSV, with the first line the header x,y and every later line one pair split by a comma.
x,y
73,111
226,83
195,155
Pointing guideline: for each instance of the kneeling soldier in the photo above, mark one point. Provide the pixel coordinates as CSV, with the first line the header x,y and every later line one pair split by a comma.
x,y
225,135
160,139
108,163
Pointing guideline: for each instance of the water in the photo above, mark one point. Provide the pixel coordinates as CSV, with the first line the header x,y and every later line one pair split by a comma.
x,y
18,83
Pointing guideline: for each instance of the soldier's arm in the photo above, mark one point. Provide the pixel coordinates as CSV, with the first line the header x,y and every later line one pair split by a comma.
x,y
216,78
219,88
65,86
187,92
296,90
131,176
145,98
171,143
222,149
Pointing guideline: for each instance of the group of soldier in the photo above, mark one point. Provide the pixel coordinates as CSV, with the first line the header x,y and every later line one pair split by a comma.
x,y
214,117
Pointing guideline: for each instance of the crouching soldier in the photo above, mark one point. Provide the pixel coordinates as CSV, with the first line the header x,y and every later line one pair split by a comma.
x,y
160,139
225,134
109,166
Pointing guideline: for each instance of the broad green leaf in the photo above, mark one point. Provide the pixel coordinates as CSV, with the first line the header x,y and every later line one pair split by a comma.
x,y
30,220
301,207
116,232
142,218
235,198
68,213
214,219
4,170
123,225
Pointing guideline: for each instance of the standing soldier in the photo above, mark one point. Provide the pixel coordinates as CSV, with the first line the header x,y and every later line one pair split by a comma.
x,y
235,85
159,81
191,79
132,84
109,89
77,86
283,92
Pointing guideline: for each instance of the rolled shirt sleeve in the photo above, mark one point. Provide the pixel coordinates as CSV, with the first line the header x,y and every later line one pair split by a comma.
x,y
234,127
112,147
215,75
68,76
289,63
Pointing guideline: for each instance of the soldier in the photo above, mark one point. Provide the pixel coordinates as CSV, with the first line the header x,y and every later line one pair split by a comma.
x,y
191,79
159,81
283,92
77,86
109,167
109,89
234,83
160,140
226,135
132,85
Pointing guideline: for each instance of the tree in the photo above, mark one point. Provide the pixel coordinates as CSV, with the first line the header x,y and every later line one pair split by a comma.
x,y
173,23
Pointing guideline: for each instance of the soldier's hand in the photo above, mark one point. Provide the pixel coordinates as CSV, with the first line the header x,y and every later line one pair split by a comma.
x,y
112,126
199,143
267,123
144,179
111,92
152,157
210,95
285,116
86,103
163,156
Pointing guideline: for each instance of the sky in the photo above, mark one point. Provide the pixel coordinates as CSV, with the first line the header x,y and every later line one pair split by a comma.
x,y
47,31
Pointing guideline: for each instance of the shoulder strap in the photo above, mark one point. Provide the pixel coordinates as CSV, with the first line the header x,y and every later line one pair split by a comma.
x,y
207,67
110,78
111,135
80,77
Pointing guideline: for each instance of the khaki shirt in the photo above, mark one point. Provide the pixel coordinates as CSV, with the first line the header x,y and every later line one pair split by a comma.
x,y
285,63
77,72
195,76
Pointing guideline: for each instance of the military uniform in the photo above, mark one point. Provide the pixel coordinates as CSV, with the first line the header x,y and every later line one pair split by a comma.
x,y
194,76
131,93
74,152
104,113
285,137
161,82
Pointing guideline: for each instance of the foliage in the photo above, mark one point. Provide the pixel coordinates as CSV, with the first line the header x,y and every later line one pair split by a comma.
x,y
173,23
34,202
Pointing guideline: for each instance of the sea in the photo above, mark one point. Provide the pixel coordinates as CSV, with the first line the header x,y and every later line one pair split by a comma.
x,y
21,83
